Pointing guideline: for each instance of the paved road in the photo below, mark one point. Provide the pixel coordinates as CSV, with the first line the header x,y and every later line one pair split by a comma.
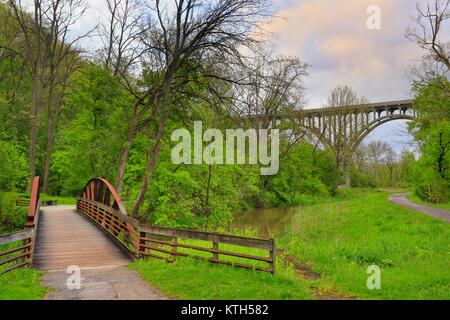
x,y
66,238
109,283
401,199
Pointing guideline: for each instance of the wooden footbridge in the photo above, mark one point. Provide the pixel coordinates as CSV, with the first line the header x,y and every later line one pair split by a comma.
x,y
99,233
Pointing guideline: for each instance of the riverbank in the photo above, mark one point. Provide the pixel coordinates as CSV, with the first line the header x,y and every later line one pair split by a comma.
x,y
338,240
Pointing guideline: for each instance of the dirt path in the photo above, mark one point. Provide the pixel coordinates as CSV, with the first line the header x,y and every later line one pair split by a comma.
x,y
320,292
402,200
66,238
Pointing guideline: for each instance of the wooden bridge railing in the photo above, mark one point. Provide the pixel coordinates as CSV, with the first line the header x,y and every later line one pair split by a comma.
x,y
102,205
117,225
24,251
148,243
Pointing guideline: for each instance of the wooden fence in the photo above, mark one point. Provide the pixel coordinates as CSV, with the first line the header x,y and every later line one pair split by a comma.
x,y
23,200
141,239
24,250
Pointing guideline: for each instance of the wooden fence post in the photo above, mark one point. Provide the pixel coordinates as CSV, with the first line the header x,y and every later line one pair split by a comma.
x,y
215,255
273,255
141,235
175,247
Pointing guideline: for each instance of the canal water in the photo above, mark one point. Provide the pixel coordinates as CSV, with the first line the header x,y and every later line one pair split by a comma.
x,y
265,222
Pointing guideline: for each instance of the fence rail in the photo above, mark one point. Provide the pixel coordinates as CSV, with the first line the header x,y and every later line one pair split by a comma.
x,y
111,221
23,200
143,239
147,233
24,251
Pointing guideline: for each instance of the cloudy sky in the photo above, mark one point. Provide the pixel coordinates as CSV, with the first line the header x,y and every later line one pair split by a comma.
x,y
332,36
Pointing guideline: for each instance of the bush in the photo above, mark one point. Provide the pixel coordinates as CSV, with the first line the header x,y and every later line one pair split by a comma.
x,y
13,167
429,186
12,218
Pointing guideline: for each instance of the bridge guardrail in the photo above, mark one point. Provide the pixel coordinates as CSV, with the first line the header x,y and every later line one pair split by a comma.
x,y
116,224
27,236
145,240
149,243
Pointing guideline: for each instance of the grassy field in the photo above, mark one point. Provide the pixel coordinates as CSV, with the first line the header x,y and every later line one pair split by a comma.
x,y
195,279
60,200
22,284
339,240
416,199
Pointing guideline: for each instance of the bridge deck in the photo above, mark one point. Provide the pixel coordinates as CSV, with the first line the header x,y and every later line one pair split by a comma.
x,y
67,238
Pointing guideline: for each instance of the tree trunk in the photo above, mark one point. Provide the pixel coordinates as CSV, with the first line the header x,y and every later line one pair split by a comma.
x,y
151,167
38,93
48,154
124,155
131,135
33,134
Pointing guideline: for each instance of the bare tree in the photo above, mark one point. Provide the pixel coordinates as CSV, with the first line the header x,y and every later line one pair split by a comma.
x,y
390,159
336,125
121,52
35,53
180,35
121,36
63,61
43,27
272,95
427,34
376,151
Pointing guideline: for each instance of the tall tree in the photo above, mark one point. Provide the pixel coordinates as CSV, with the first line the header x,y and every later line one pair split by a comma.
x,y
35,45
44,44
63,60
177,36
427,33
272,94
337,126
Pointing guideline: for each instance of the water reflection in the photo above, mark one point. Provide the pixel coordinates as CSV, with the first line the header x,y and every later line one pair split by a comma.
x,y
266,222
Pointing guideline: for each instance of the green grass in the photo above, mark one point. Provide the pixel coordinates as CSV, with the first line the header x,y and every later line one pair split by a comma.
x,y
22,284
415,198
190,279
60,200
341,239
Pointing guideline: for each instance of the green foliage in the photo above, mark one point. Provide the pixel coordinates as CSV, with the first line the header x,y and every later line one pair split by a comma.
x,y
432,132
429,185
12,218
91,138
13,167
415,198
360,180
22,284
